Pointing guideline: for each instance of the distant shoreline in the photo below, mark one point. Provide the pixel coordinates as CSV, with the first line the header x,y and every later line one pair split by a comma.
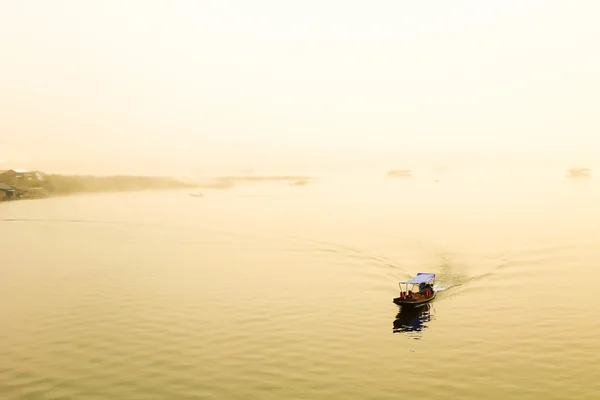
x,y
51,185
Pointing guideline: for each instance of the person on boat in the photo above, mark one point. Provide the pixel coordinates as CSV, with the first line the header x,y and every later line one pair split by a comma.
x,y
425,289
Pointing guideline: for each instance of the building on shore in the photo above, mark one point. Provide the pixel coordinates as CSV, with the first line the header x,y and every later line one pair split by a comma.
x,y
7,192
21,183
19,176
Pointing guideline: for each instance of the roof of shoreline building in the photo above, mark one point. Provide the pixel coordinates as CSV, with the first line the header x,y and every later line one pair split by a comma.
x,y
16,170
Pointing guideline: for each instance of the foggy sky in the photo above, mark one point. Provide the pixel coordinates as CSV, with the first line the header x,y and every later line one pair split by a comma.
x,y
161,86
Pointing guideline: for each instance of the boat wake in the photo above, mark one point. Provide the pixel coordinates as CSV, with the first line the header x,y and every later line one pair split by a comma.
x,y
440,287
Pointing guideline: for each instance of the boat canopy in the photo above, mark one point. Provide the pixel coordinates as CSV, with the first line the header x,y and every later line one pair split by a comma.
x,y
422,277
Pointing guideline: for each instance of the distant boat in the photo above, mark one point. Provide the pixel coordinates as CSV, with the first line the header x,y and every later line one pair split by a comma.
x,y
399,173
196,194
418,293
301,182
579,173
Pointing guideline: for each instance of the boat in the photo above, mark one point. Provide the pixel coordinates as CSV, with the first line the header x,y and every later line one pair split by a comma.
x,y
399,173
416,291
579,173
196,194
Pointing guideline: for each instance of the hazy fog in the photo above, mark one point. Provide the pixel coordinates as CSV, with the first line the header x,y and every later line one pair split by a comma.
x,y
198,86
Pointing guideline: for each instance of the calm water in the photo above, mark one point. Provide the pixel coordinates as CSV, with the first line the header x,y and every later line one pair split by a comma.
x,y
276,292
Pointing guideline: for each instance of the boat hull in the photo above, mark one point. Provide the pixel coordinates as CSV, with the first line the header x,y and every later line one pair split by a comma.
x,y
414,303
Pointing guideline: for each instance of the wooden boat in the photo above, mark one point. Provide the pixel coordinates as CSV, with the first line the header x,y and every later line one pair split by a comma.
x,y
417,291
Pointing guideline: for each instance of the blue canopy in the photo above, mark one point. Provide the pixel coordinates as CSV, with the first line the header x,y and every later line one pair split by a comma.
x,y
422,277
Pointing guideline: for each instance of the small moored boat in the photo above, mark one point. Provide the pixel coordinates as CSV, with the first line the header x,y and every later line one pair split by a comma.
x,y
417,291
579,173
399,173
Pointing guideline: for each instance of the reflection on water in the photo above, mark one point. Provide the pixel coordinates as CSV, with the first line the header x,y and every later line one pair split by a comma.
x,y
410,320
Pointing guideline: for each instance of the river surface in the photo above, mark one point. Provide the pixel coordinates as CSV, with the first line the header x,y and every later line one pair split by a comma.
x,y
270,291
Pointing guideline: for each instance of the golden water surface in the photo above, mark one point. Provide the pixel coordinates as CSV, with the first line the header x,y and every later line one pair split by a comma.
x,y
271,291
